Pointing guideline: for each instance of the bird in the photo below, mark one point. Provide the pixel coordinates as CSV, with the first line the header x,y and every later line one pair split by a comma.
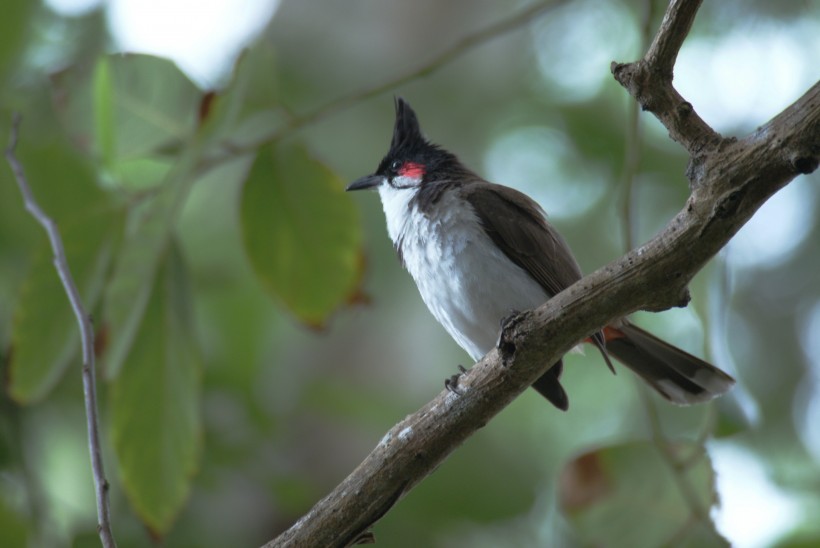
x,y
479,251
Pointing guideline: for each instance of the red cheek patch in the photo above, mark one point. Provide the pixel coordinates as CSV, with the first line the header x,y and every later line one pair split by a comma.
x,y
412,170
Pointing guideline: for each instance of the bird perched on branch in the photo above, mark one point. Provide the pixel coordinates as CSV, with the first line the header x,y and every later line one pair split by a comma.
x,y
479,251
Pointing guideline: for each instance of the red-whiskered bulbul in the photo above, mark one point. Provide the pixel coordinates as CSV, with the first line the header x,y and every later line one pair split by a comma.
x,y
479,251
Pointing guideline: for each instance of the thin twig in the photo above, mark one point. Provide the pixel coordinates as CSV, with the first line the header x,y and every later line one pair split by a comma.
x,y
465,44
86,334
649,81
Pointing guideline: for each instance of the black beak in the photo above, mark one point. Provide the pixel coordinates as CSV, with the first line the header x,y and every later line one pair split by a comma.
x,y
368,181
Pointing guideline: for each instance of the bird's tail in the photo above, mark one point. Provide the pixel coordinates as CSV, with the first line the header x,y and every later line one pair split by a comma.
x,y
549,386
678,376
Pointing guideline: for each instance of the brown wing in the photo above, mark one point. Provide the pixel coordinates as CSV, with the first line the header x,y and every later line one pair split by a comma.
x,y
519,228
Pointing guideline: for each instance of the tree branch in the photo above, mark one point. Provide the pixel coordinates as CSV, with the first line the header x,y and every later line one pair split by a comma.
x,y
675,27
649,81
731,179
86,335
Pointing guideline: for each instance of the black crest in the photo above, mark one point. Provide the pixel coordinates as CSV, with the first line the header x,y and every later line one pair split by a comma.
x,y
409,144
406,131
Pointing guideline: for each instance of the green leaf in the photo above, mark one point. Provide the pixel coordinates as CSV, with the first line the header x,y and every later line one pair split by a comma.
x,y
104,111
155,104
628,495
301,232
14,26
142,174
45,335
139,110
247,112
13,525
128,107
252,93
155,404
147,238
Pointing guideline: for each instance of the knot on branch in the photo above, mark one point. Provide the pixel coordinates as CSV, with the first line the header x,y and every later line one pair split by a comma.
x,y
727,205
634,77
620,71
804,164
684,110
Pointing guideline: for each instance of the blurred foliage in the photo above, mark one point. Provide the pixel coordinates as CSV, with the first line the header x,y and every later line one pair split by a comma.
x,y
210,237
301,234
44,338
610,499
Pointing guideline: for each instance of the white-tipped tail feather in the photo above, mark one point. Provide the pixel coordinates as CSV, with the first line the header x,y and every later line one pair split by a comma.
x,y
678,376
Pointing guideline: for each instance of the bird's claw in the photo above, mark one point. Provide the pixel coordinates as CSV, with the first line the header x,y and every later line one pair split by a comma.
x,y
451,383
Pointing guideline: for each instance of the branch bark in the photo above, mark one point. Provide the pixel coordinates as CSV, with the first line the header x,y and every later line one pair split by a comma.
x,y
730,180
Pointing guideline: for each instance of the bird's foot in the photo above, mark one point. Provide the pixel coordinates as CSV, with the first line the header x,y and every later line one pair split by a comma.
x,y
451,383
505,343
510,319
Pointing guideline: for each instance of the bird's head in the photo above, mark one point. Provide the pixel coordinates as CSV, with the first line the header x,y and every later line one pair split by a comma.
x,y
412,160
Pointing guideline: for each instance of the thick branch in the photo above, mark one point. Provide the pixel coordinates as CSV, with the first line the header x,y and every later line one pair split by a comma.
x,y
86,335
733,179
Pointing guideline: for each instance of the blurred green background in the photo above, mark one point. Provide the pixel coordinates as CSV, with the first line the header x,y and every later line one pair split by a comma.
x,y
257,335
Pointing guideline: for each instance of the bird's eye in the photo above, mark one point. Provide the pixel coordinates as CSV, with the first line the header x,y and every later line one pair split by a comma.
x,y
395,165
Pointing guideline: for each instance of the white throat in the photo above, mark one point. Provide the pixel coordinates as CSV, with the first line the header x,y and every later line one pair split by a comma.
x,y
465,280
396,204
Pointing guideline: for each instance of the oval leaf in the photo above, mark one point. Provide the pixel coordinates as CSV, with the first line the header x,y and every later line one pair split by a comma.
x,y
301,232
132,104
125,108
143,247
45,335
155,404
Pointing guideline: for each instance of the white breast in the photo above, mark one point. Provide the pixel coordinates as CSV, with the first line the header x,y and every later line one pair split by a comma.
x,y
464,279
